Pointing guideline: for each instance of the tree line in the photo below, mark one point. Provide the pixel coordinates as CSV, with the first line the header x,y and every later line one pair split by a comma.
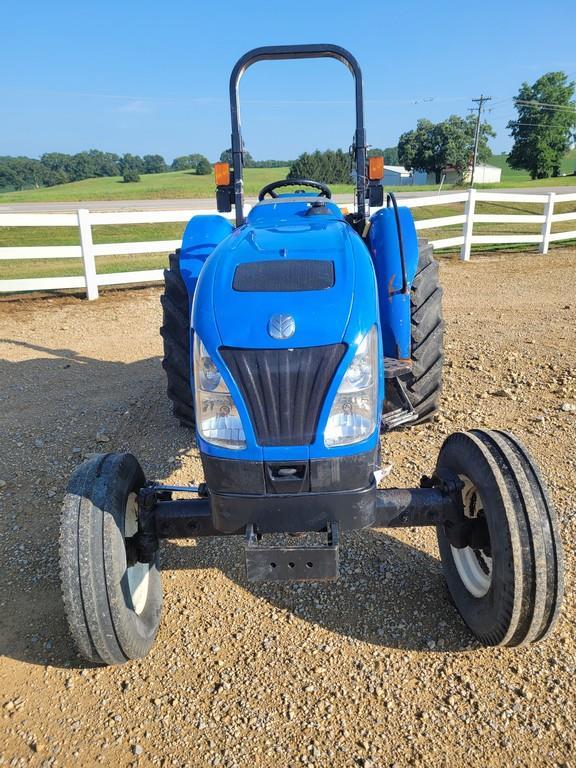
x,y
249,162
54,168
334,166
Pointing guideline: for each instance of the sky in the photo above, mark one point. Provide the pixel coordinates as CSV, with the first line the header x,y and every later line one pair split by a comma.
x,y
152,77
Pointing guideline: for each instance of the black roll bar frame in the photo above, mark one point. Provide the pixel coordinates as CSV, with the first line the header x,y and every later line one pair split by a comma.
x,y
276,52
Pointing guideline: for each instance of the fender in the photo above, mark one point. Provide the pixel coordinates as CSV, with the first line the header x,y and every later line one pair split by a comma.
x,y
394,304
201,236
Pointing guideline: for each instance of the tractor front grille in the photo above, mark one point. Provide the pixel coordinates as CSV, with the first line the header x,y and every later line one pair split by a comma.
x,y
284,389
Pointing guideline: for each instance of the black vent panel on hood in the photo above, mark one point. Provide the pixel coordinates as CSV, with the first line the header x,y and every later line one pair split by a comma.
x,y
284,389
284,275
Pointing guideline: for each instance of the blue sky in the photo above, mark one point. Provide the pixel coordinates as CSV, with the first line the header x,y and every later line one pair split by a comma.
x,y
149,77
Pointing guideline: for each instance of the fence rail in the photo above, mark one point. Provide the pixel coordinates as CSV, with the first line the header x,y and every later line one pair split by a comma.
x,y
89,251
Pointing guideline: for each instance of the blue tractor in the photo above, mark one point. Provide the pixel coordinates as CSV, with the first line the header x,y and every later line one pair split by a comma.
x,y
292,339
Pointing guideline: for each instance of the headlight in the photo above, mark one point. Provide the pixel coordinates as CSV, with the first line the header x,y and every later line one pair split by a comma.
x,y
353,414
217,417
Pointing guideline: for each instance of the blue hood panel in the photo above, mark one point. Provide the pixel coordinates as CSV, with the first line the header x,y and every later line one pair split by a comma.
x,y
321,316
223,316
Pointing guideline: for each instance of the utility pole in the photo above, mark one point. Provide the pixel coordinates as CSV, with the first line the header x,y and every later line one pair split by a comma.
x,y
480,103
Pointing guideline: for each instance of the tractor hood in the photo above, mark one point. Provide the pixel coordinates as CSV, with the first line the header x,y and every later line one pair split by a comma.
x,y
290,283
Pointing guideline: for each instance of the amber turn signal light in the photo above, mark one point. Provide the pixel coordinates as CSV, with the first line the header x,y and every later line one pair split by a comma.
x,y
222,174
375,168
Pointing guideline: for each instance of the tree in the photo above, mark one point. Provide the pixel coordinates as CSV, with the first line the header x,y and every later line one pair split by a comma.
x,y
433,147
226,157
104,163
21,173
61,168
81,167
57,163
545,125
154,164
130,175
186,162
203,167
131,163
53,178
271,163
330,167
390,154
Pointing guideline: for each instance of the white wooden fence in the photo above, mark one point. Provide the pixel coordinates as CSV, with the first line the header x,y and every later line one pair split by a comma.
x,y
88,251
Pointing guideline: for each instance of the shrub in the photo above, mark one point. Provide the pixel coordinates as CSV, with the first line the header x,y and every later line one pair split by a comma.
x,y
203,167
131,175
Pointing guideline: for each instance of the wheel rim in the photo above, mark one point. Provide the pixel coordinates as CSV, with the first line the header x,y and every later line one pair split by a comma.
x,y
138,574
474,566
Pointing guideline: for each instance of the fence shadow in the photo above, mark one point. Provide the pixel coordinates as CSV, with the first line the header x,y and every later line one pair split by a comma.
x,y
61,402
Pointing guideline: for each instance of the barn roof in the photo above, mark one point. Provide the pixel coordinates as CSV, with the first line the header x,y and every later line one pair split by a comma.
x,y
396,168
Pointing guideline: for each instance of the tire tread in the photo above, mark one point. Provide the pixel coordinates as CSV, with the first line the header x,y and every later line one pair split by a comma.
x,y
424,384
176,336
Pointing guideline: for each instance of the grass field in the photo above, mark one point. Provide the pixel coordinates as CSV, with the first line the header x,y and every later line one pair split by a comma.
x,y
184,184
180,184
513,178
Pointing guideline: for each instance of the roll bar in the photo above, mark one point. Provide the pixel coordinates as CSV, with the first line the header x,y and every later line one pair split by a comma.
x,y
296,52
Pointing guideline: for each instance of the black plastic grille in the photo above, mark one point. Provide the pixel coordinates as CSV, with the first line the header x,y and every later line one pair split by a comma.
x,y
284,275
284,389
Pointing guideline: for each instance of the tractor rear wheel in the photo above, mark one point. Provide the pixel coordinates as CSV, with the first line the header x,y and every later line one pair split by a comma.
x,y
175,331
507,583
424,384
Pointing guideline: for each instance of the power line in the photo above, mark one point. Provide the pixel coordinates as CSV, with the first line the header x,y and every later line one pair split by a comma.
x,y
480,103
544,105
500,101
535,125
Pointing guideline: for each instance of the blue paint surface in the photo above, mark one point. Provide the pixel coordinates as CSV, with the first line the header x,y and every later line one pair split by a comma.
x,y
367,290
394,305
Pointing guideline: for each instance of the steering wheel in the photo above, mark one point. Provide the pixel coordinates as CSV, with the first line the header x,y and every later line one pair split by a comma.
x,y
325,190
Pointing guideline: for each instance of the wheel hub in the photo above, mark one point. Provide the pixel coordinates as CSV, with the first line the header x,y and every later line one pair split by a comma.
x,y
474,562
138,573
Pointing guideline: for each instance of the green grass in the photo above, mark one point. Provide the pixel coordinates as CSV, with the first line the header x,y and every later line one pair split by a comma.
x,y
508,174
512,177
184,184
124,233
569,162
180,184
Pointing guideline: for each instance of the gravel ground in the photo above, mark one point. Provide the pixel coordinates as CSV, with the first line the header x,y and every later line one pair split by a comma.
x,y
375,670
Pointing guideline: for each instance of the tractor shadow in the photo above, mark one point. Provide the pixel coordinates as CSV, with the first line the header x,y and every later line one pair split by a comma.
x,y
55,405
389,593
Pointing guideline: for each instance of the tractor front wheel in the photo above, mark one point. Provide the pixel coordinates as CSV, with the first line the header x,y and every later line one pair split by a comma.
x,y
507,583
113,607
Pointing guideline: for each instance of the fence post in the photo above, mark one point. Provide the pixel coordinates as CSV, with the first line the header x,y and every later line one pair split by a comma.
x,y
468,225
87,247
547,226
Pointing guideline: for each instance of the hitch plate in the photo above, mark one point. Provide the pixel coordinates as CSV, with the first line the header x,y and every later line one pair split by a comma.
x,y
277,563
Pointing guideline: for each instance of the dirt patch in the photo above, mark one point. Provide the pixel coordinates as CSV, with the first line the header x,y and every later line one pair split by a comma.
x,y
375,670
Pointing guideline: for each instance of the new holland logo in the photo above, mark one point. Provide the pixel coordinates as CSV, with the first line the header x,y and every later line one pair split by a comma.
x,y
281,326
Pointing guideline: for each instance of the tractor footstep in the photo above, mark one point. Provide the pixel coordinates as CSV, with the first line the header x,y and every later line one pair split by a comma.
x,y
280,563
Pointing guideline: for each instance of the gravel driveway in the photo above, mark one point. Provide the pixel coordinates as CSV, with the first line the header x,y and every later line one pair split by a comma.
x,y
375,670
